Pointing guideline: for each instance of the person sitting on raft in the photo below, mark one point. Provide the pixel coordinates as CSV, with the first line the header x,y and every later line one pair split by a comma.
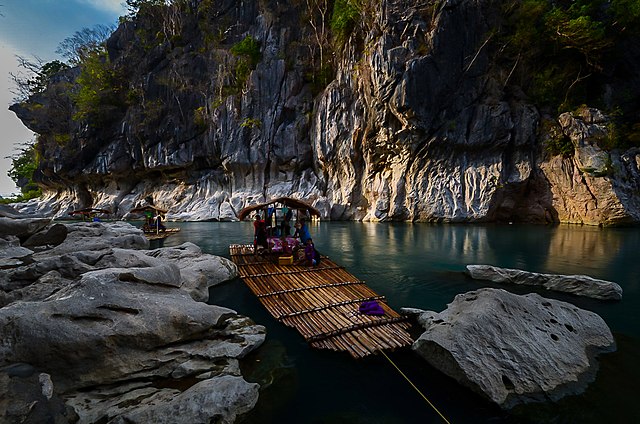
x,y
302,231
311,255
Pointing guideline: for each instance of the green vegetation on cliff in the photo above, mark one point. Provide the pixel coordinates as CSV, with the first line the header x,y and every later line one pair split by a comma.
x,y
248,53
37,77
568,53
23,166
343,19
100,89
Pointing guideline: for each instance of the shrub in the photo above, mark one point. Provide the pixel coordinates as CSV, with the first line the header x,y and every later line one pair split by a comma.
x,y
62,139
560,146
559,47
23,166
556,142
249,48
99,89
200,117
248,53
31,194
343,19
251,123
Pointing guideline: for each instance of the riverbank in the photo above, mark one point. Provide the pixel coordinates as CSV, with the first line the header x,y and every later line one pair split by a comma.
x,y
411,264
95,327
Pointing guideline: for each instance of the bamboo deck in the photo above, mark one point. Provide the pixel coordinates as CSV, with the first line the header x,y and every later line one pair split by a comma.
x,y
321,303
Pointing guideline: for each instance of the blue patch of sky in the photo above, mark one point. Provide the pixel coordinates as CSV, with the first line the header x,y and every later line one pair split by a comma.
x,y
35,28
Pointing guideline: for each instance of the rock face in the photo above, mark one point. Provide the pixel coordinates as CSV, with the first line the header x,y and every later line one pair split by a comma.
x,y
116,333
514,349
417,126
593,186
581,285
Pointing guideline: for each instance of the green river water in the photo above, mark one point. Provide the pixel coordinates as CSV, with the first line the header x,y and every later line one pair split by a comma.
x,y
422,266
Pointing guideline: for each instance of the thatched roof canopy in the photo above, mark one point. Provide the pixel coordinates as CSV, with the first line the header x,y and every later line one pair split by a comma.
x,y
285,201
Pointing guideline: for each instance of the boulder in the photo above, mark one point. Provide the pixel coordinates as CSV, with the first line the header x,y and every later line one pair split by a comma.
x,y
119,331
28,396
514,349
103,330
220,398
581,285
10,212
96,236
22,227
55,235
183,266
45,286
10,249
198,270
114,340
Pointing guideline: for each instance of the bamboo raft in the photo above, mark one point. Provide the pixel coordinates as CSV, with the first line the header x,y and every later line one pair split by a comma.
x,y
321,303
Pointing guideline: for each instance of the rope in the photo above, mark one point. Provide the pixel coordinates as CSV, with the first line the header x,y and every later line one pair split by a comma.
x,y
414,386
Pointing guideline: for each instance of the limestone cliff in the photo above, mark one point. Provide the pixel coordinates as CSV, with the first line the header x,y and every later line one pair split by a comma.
x,y
415,123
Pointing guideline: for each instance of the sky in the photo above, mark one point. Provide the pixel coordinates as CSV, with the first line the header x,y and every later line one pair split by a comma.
x,y
35,28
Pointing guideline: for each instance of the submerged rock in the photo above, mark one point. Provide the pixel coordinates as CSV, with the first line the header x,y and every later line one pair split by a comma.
x,y
581,285
514,349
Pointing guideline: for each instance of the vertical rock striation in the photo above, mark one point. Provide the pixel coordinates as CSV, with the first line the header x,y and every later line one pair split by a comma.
x,y
416,122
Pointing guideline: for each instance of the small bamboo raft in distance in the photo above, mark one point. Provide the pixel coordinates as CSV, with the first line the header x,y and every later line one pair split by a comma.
x,y
322,303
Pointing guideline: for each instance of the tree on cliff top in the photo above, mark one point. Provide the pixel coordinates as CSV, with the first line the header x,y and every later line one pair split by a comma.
x,y
33,76
135,6
81,44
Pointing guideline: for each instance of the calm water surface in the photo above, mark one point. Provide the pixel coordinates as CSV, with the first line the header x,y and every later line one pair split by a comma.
x,y
422,266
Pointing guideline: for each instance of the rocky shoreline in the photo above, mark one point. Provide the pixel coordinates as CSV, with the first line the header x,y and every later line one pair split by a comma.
x,y
95,329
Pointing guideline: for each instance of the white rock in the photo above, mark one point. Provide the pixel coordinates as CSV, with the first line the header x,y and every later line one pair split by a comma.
x,y
514,349
581,285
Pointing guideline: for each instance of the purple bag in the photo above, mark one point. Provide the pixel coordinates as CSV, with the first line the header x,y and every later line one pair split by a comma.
x,y
371,307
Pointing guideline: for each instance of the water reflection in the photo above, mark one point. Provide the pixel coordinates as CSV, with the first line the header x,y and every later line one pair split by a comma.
x,y
593,249
422,265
